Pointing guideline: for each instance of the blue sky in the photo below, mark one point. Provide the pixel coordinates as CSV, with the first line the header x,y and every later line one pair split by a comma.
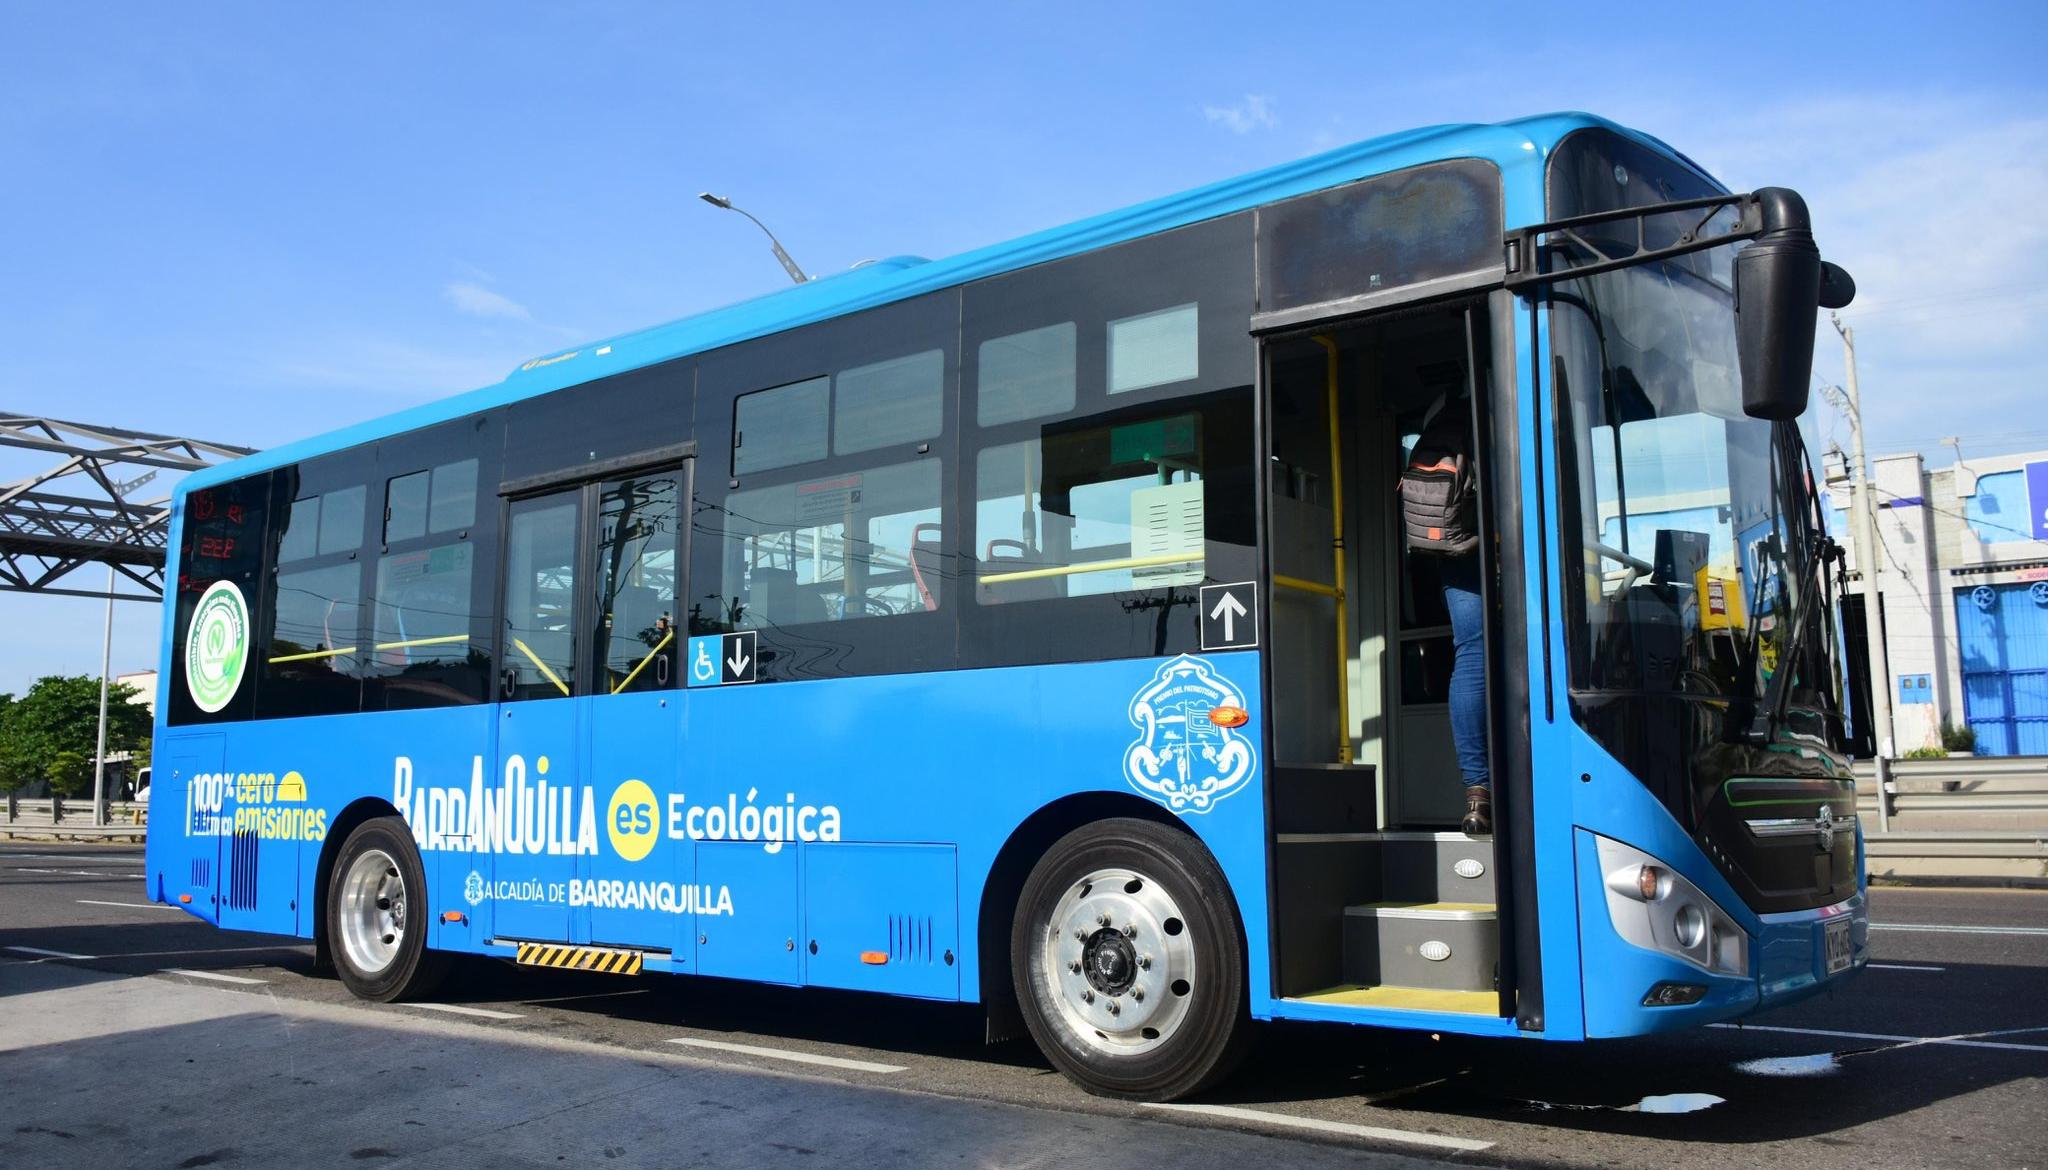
x,y
254,222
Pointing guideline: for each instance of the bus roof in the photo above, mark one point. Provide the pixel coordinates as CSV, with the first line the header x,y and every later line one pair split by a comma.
x,y
1520,145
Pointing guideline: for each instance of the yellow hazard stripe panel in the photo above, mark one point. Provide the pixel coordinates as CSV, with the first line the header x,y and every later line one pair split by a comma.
x,y
604,960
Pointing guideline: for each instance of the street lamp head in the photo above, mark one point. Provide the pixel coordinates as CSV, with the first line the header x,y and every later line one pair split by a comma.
x,y
715,200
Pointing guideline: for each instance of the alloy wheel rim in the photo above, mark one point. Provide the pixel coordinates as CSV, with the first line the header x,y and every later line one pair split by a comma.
x,y
373,911
1119,959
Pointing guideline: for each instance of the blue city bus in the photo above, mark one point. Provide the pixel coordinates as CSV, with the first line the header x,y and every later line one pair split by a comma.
x,y
1034,628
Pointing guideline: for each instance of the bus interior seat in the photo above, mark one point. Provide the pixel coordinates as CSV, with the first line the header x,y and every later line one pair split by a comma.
x,y
927,552
1014,556
779,600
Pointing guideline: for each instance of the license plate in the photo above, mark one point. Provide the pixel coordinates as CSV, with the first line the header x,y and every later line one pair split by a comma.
x,y
1835,941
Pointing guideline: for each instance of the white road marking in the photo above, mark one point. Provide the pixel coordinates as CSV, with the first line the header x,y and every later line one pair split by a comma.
x,y
1902,967
78,873
49,954
781,1054
134,905
69,857
1371,1132
460,1010
213,975
1964,1040
1931,928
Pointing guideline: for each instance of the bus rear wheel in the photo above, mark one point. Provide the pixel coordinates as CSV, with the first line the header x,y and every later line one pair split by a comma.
x,y
1128,957
377,915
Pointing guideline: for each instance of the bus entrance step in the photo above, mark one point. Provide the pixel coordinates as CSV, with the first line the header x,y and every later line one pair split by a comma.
x,y
1451,946
604,960
1436,867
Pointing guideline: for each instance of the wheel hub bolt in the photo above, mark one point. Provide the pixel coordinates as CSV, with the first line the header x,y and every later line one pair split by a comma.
x,y
1144,962
1075,966
1087,996
1138,995
1131,930
1080,936
1113,1008
1103,920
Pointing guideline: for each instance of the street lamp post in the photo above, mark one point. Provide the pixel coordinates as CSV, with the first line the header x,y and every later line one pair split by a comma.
x,y
788,265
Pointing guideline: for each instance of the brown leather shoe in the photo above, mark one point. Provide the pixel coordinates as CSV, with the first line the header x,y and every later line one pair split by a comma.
x,y
1478,820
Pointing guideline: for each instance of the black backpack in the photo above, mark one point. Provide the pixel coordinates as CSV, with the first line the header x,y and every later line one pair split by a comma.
x,y
1438,490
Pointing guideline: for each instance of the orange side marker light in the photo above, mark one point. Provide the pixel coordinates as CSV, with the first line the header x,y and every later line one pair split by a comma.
x,y
874,958
1229,716
454,916
185,899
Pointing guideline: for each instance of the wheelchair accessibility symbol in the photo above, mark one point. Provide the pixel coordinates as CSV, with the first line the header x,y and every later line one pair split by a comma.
x,y
723,658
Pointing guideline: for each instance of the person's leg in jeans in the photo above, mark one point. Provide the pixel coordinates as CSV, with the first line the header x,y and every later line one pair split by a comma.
x,y
1467,608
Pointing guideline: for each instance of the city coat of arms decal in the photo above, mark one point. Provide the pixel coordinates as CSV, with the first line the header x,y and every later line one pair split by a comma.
x,y
1181,758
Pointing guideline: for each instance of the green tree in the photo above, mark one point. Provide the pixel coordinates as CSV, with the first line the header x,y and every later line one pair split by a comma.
x,y
51,732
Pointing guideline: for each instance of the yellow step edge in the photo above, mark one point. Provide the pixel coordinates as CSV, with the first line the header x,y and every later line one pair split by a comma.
x,y
1415,999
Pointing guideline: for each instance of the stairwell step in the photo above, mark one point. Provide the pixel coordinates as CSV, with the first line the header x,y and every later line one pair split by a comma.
x,y
1451,946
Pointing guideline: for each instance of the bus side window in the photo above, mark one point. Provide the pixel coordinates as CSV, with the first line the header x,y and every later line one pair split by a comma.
x,y
311,664
638,543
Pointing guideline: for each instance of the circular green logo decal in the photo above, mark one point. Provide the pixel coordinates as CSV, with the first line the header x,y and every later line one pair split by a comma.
x,y
217,646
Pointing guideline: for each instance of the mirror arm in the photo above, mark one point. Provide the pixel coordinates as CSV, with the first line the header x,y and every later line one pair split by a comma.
x,y
1524,245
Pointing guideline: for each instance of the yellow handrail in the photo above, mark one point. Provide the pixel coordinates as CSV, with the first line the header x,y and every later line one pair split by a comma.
x,y
658,648
337,652
1297,583
541,666
1337,556
440,641
1093,567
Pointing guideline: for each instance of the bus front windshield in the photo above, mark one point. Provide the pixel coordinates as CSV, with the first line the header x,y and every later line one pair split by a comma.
x,y
1690,546
1680,564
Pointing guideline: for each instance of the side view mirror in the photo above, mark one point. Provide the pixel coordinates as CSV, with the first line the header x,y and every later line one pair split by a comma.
x,y
1781,283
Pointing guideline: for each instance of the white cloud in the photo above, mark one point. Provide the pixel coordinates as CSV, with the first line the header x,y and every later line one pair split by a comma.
x,y
1933,203
1255,112
476,300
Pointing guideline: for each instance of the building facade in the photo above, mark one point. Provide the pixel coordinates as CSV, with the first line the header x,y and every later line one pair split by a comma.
x,y
1964,585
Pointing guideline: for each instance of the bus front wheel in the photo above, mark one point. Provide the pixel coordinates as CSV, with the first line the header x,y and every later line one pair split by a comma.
x,y
1128,958
377,915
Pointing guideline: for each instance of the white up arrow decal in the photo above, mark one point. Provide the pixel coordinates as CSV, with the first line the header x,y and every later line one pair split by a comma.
x,y
1229,609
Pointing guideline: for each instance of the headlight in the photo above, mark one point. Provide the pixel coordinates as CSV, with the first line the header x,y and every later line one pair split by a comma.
x,y
1652,907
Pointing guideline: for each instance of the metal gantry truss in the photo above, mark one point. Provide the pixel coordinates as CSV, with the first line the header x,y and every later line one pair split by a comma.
x,y
85,510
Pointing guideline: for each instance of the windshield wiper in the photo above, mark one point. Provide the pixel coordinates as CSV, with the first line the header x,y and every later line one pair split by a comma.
x,y
1807,557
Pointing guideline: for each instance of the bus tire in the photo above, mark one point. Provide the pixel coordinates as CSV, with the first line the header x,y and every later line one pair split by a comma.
x,y
1128,956
377,915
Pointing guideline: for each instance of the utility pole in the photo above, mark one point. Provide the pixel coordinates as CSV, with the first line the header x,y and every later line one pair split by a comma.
x,y
1869,556
99,758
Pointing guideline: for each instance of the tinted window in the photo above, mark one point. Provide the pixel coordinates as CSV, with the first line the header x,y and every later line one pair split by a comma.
x,y
1424,223
405,507
858,544
441,499
540,598
220,562
1091,509
431,585
780,427
638,574
896,401
1026,375
322,525
1154,349
841,560
421,626
1111,471
312,664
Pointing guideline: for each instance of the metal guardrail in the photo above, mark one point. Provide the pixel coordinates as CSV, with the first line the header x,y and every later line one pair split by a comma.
x,y
1986,808
70,817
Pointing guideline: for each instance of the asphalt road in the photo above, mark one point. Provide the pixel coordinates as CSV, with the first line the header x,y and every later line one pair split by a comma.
x,y
133,1035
